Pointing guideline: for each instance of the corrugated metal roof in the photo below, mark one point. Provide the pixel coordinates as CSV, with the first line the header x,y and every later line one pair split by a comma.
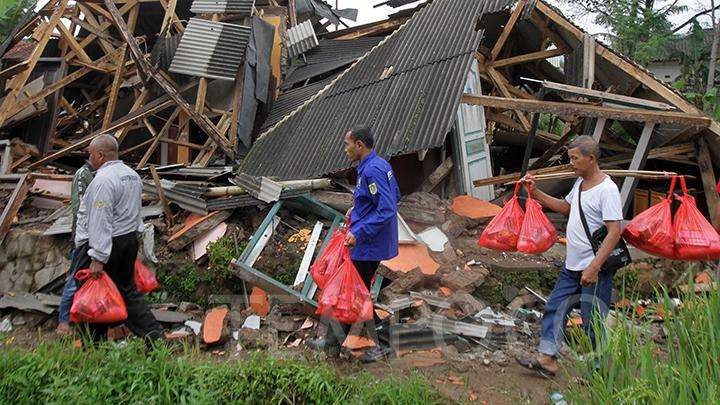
x,y
300,39
211,49
222,6
407,89
330,55
292,99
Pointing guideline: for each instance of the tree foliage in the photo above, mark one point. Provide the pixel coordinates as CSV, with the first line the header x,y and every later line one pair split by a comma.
x,y
639,29
10,14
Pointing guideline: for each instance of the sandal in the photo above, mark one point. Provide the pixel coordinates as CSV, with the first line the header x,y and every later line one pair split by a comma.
x,y
534,365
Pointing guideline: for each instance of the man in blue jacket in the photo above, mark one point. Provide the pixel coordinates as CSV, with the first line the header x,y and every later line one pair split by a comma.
x,y
373,235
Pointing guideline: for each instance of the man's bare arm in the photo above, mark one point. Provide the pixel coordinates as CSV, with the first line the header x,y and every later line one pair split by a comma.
x,y
556,204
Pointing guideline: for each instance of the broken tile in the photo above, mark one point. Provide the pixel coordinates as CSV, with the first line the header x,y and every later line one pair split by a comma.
x,y
259,301
410,257
404,283
471,207
178,334
309,323
354,342
200,244
295,343
214,329
467,304
434,238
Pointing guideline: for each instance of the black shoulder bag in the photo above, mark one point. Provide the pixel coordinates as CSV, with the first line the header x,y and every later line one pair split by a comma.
x,y
619,257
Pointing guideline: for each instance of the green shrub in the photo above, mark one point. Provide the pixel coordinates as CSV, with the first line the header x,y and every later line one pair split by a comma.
x,y
59,373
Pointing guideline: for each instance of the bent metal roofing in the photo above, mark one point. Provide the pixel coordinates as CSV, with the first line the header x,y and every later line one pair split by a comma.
x,y
407,89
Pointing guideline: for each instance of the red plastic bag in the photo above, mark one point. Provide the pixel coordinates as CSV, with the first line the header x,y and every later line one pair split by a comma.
x,y
537,234
330,259
695,237
145,279
345,296
652,231
97,301
503,231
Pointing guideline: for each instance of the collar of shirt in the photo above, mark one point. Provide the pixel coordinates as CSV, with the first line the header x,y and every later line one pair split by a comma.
x,y
366,159
109,163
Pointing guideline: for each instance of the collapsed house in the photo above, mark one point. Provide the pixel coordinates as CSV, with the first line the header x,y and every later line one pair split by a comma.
x,y
224,107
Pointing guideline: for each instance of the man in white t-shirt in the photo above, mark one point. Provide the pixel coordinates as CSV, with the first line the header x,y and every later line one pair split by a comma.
x,y
581,280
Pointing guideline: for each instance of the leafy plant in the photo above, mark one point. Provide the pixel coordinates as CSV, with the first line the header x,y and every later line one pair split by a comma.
x,y
10,13
641,367
59,373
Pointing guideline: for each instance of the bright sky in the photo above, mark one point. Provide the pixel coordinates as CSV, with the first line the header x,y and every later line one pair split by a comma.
x,y
367,13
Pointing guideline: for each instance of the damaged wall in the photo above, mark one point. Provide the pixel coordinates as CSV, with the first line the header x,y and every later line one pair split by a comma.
x,y
29,260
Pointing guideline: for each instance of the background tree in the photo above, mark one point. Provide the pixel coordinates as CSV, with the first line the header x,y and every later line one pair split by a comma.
x,y
11,11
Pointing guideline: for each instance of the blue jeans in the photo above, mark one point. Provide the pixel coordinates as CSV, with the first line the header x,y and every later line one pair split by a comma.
x,y
69,290
568,291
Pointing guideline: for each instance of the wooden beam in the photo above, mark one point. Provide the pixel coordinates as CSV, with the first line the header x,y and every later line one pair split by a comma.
x,y
69,38
143,66
104,37
370,30
588,73
587,110
46,91
507,29
20,80
599,129
169,11
607,97
102,27
156,137
115,89
437,176
138,104
200,96
638,161
181,143
568,132
528,57
503,86
637,73
237,101
292,10
14,69
161,196
656,153
705,165
153,107
174,20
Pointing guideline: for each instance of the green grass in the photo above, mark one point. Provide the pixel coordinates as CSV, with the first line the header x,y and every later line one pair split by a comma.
x,y
682,369
59,373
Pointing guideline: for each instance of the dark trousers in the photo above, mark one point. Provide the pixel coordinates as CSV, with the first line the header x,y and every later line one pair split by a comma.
x,y
336,331
120,267
594,306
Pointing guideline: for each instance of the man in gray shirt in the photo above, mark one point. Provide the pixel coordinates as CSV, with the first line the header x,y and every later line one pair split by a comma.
x,y
106,235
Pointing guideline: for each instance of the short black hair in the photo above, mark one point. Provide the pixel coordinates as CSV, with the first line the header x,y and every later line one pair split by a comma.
x,y
363,134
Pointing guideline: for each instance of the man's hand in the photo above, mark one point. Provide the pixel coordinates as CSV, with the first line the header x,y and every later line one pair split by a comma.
x,y
589,276
347,216
350,240
529,180
96,267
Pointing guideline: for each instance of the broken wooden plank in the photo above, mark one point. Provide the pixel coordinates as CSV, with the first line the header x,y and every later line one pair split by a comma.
x,y
145,68
705,165
154,107
438,175
528,57
507,30
161,197
503,86
20,189
585,110
69,39
609,98
115,89
20,80
638,161
188,234
156,137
